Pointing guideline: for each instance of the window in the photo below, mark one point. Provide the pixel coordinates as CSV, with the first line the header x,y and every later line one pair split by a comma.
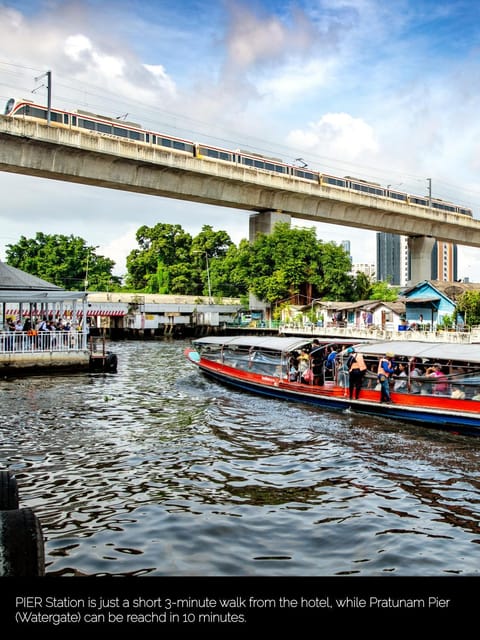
x,y
36,113
86,124
104,128
135,135
118,131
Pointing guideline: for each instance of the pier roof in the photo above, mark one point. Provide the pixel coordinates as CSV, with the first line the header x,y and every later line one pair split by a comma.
x,y
12,278
19,286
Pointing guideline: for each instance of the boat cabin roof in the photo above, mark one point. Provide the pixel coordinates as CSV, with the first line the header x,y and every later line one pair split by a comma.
x,y
273,343
431,351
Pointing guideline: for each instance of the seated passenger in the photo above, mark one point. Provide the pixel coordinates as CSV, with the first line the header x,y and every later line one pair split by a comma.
x,y
400,384
440,387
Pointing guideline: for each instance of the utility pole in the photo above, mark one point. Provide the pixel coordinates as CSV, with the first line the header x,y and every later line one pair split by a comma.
x,y
429,180
48,75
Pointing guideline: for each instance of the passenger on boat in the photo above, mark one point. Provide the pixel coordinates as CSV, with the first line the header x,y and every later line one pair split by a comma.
x,y
317,358
401,380
303,363
441,387
357,369
385,370
293,373
415,373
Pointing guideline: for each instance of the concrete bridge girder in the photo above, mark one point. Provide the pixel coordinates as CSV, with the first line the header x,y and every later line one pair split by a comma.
x,y
76,156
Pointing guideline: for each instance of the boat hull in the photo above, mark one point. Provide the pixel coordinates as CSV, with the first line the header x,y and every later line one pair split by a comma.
x,y
443,413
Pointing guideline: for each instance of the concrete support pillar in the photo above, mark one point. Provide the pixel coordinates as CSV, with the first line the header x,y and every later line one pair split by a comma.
x,y
420,250
265,221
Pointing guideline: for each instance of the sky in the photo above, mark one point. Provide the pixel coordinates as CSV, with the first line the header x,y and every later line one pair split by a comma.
x,y
384,91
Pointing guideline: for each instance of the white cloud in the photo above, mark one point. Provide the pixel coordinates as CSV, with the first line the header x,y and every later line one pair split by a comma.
x,y
337,135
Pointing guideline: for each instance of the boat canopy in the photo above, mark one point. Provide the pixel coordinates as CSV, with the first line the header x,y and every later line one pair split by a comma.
x,y
274,343
257,342
432,351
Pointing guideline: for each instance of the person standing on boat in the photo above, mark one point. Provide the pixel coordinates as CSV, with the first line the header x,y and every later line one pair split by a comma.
x,y
317,359
385,370
356,370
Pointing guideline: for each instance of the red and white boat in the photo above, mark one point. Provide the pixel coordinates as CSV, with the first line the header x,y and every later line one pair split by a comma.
x,y
263,365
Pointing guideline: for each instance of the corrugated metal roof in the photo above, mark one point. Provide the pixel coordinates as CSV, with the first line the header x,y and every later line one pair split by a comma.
x,y
432,351
283,344
13,278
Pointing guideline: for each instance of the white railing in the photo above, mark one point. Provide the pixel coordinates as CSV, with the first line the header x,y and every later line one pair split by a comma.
x,y
351,331
41,341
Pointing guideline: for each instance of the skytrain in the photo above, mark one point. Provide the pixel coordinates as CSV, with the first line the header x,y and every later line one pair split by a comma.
x,y
134,132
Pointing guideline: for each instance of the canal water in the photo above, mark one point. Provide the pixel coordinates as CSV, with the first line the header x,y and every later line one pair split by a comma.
x,y
158,471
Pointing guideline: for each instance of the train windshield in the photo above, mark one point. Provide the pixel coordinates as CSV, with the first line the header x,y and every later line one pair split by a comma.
x,y
9,106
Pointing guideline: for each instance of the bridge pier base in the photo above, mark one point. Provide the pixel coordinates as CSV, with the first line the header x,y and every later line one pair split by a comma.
x,y
264,222
420,250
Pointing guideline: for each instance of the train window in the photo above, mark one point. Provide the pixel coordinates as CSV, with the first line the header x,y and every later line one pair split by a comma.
x,y
258,164
165,142
338,182
417,200
9,106
65,118
74,121
104,128
247,161
397,196
36,113
225,156
117,131
443,206
135,135
211,153
279,169
86,124
307,175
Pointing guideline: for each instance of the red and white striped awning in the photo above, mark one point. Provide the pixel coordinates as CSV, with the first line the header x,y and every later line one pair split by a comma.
x,y
93,313
67,313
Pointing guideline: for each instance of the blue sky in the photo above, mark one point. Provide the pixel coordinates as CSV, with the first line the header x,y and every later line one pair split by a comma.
x,y
387,91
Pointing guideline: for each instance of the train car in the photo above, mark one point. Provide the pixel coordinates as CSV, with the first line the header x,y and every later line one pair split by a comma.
x,y
134,132
96,123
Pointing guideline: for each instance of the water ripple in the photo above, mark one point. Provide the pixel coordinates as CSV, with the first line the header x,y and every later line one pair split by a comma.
x,y
158,471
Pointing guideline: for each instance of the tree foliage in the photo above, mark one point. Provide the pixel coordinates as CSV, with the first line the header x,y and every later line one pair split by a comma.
x,y
282,264
383,291
468,305
292,261
65,261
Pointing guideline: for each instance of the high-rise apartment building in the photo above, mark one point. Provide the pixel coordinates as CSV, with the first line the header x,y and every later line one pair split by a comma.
x,y
393,260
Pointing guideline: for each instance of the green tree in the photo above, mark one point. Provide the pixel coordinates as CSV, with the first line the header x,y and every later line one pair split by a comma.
x,y
66,261
292,261
468,304
209,249
161,248
383,291
362,287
